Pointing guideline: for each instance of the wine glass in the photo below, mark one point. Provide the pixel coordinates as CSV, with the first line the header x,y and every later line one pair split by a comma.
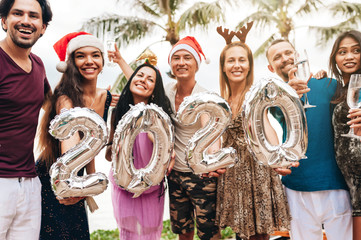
x,y
353,99
111,47
303,72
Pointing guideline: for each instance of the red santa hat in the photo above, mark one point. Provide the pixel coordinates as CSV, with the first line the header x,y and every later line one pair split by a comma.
x,y
71,42
191,45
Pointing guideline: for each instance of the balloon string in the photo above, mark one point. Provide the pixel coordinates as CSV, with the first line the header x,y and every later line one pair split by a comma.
x,y
92,205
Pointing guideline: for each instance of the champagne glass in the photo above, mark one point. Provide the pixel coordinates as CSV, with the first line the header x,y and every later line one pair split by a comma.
x,y
303,72
111,47
353,99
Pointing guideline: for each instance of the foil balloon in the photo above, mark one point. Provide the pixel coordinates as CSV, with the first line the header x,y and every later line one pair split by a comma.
x,y
63,173
266,93
220,116
142,118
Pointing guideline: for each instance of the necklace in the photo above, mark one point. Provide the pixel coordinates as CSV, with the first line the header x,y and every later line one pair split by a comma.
x,y
92,102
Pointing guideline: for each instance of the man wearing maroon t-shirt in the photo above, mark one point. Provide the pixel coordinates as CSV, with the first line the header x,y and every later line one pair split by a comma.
x,y
23,87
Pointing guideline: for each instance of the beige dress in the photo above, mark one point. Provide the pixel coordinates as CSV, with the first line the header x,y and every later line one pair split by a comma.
x,y
250,197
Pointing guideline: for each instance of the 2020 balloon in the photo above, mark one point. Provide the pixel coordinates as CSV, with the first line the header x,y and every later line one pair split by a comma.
x,y
63,173
142,118
219,115
272,92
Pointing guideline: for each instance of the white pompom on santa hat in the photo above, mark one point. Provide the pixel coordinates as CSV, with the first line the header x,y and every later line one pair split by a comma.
x,y
191,45
71,42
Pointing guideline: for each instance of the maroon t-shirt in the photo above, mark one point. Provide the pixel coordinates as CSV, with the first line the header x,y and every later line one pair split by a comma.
x,y
21,97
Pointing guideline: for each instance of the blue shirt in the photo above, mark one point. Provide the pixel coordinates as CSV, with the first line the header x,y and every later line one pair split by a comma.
x,y
319,171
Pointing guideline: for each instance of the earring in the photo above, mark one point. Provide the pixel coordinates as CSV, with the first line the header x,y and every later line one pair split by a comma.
x,y
152,97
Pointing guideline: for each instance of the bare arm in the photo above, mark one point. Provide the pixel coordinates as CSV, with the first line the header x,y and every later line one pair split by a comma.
x,y
65,102
117,58
271,136
213,148
47,97
270,132
108,152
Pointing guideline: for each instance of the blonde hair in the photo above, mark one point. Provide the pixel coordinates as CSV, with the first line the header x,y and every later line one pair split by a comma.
x,y
223,79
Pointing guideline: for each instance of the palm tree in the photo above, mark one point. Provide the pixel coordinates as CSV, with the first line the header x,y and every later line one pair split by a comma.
x,y
350,11
165,16
279,13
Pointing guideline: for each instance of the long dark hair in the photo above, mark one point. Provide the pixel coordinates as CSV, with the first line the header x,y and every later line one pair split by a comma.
x,y
158,96
340,94
70,85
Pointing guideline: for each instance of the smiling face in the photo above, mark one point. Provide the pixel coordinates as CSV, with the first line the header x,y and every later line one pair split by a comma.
x,y
142,85
236,64
281,59
24,23
183,65
348,57
89,62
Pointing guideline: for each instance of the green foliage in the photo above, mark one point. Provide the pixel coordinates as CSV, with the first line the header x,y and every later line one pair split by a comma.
x,y
349,12
279,14
227,233
167,233
160,17
105,235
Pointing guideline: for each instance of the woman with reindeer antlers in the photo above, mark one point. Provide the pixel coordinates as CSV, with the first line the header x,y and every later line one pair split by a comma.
x,y
250,196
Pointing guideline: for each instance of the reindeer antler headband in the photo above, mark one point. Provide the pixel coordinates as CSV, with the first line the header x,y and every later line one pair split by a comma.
x,y
242,34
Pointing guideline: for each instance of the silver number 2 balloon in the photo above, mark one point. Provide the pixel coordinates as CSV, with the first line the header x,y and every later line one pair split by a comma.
x,y
63,173
147,118
220,115
271,92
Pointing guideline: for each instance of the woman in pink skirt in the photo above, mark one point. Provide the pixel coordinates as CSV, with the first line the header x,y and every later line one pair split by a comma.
x,y
141,217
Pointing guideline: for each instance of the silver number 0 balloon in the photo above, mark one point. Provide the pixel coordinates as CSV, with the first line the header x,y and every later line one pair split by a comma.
x,y
147,118
220,115
271,92
63,173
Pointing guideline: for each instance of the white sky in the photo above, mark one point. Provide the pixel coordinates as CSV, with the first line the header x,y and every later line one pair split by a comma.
x,y
70,14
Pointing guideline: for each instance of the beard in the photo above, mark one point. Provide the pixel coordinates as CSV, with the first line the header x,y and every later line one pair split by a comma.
x,y
285,71
26,44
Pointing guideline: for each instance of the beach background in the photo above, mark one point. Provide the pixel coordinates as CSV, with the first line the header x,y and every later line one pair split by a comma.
x,y
69,16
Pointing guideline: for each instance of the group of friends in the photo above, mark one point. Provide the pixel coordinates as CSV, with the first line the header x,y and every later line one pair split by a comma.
x,y
322,192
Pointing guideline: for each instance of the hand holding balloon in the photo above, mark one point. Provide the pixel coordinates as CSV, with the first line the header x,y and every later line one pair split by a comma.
x,y
286,171
70,200
146,118
220,115
274,93
63,172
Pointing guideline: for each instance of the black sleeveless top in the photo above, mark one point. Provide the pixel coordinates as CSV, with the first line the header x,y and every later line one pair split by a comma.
x,y
59,221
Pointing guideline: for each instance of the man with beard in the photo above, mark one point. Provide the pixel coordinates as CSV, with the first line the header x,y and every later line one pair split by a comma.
x,y
23,87
316,191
